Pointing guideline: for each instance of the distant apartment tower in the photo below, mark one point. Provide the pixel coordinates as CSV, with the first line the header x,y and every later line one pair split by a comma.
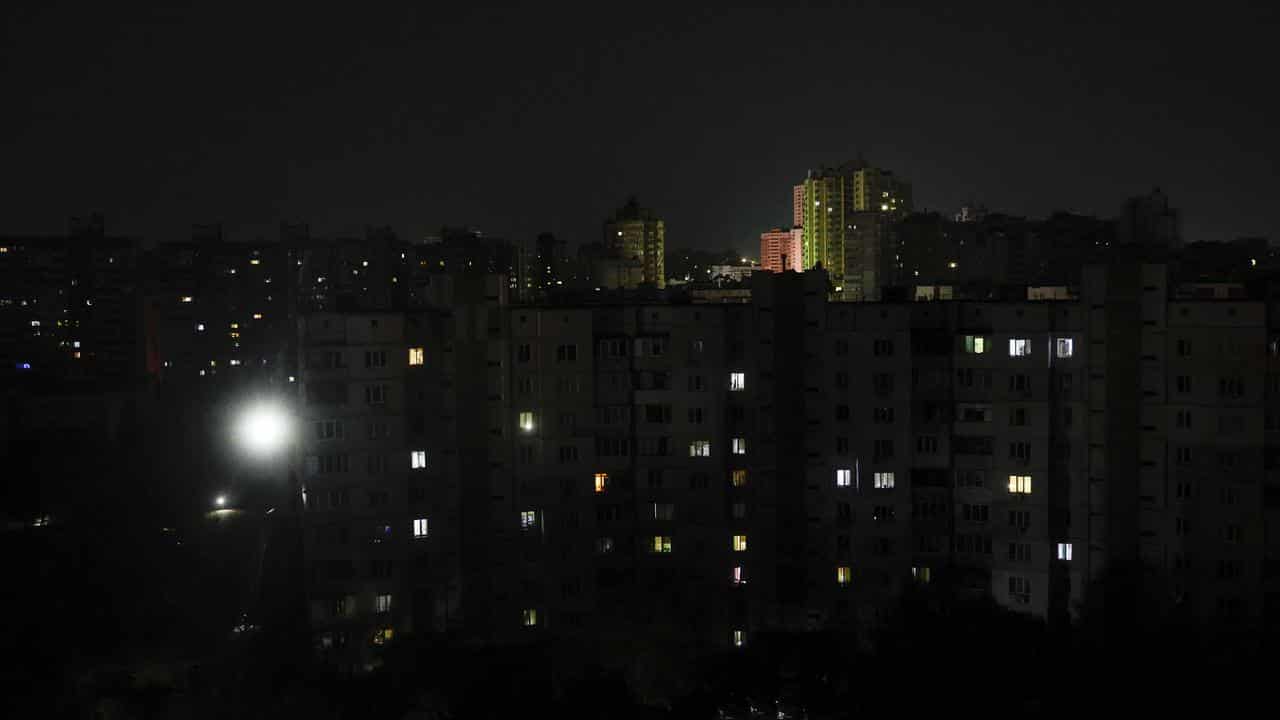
x,y
637,234
1148,220
780,250
797,206
832,196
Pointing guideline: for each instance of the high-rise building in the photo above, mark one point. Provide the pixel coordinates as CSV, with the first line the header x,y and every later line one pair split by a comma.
x,y
797,206
1148,220
780,250
831,197
636,234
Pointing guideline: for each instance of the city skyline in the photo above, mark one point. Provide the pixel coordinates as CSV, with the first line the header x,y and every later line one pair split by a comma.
x,y
338,134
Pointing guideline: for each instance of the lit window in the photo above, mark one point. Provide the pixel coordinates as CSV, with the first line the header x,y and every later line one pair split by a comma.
x,y
739,543
1019,347
737,381
975,344
187,298
418,459
883,481
382,636
662,543
526,421
1020,484
1064,551
844,575
602,482
739,575
739,638
604,545
1065,347
922,574
235,326
257,316
420,528
416,356
738,478
384,603
528,519
664,511
739,446
199,327
844,477
700,448
529,617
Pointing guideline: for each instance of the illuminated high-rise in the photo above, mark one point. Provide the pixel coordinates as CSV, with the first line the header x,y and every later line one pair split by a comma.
x,y
780,250
638,234
831,198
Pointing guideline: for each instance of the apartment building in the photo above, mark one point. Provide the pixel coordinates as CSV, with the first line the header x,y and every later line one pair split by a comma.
x,y
787,463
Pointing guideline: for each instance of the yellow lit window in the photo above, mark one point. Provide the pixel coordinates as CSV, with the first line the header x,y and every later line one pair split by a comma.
x,y
382,636
1020,484
235,326
662,543
529,617
739,478
739,543
602,481
257,316
844,575
416,356
526,421
922,574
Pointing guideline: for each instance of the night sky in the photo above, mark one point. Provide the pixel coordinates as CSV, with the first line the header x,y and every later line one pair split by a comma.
x,y
519,121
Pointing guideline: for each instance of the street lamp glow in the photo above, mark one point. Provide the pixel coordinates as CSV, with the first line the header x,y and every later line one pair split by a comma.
x,y
263,429
220,501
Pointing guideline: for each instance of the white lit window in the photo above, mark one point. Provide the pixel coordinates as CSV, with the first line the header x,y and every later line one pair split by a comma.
x,y
844,477
700,448
884,481
418,459
739,575
602,482
528,519
416,356
737,381
922,574
975,344
1064,551
1020,484
529,617
844,575
739,638
662,543
384,603
739,446
739,543
1019,347
420,528
187,298
604,545
1065,347
526,421
199,327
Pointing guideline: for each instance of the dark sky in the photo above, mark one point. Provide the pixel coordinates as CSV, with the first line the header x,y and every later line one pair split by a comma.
x,y
539,118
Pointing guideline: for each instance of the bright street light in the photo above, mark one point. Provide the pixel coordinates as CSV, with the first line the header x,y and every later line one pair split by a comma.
x,y
263,428
220,501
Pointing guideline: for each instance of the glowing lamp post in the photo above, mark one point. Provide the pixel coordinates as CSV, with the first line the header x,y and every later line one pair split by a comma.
x,y
263,429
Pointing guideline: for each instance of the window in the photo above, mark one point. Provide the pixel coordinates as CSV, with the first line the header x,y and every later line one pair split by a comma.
x,y
1020,451
375,358
602,482
664,511
1018,416
971,478
375,394
420,528
568,453
739,543
883,481
528,519
700,448
416,356
526,421
1020,590
654,476
882,383
976,513
738,576
738,478
695,416
922,574
927,444
844,575
1183,383
882,449
1183,419
383,603
418,459
738,510
1182,455
1184,348
739,446
1064,347
881,348
883,513
529,617
882,415
737,381
567,354
739,638
1020,520
1064,552
662,544
696,383
844,477
523,353
1019,552
975,344
1020,484
1019,347
329,429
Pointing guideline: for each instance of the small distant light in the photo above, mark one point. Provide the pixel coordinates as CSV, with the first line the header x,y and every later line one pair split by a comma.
x,y
234,363
24,366
235,326
364,263
75,343
76,355
292,379
199,327
232,271
201,373
255,261
1253,262
35,323
952,264
257,316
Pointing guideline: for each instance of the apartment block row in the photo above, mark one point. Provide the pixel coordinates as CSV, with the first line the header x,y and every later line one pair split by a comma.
x,y
718,470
